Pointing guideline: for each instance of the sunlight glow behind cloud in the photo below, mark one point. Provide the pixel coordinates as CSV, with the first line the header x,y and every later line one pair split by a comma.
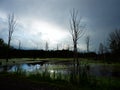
x,y
49,32
48,20
44,31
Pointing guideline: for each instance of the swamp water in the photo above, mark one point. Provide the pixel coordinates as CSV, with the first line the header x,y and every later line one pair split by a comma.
x,y
65,69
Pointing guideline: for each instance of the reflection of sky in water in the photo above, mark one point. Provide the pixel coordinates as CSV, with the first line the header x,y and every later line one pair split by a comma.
x,y
25,67
95,70
39,68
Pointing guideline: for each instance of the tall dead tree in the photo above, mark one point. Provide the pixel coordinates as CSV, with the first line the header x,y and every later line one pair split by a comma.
x,y
57,47
87,40
46,46
19,45
76,31
11,29
101,48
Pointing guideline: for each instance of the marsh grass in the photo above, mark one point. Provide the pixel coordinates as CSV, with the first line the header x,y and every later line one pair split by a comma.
x,y
79,78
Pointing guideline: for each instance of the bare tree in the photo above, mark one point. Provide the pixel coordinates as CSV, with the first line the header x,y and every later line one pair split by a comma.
x,y
1,42
101,48
87,43
68,47
57,47
19,44
76,31
114,41
11,29
46,46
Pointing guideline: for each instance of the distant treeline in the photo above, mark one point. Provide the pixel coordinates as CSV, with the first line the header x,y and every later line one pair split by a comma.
x,y
15,53
11,52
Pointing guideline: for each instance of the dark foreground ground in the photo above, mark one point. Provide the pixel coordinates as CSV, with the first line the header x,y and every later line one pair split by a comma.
x,y
17,82
12,82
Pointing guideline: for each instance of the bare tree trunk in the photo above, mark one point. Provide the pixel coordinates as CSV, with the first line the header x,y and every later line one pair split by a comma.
x,y
46,46
8,51
87,43
11,28
77,30
75,54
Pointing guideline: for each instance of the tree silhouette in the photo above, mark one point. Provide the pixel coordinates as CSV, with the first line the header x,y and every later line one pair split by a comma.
x,y
114,41
11,29
87,43
76,31
19,44
1,42
57,47
101,48
3,45
46,46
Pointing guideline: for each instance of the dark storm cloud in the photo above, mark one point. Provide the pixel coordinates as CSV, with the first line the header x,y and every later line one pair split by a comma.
x,y
101,16
103,12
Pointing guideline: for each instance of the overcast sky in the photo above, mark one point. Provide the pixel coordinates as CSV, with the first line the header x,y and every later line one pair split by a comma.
x,y
39,21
